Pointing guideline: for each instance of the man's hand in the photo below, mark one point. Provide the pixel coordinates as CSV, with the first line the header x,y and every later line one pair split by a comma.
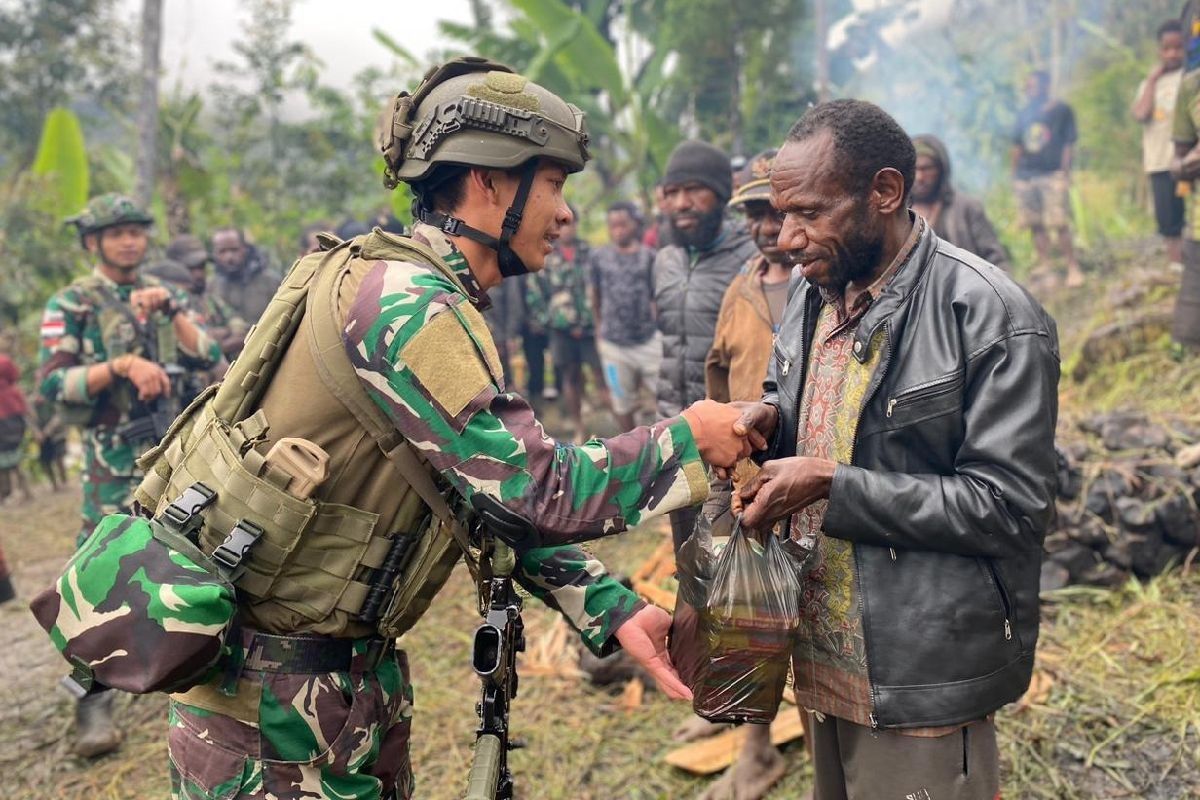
x,y
644,637
783,487
148,378
712,425
152,298
757,423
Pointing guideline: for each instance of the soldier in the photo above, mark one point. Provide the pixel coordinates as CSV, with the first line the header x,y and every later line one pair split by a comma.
x,y
218,317
558,297
106,343
392,334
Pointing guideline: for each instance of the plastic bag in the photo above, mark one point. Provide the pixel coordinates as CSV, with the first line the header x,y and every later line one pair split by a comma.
x,y
748,628
695,564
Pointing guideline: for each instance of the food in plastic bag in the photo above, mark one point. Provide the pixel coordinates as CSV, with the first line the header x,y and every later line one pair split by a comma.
x,y
695,564
748,628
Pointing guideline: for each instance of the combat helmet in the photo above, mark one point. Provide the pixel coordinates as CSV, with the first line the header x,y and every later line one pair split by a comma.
x,y
106,211
474,112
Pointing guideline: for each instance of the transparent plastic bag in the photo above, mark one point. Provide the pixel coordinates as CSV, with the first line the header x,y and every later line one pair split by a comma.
x,y
747,630
695,564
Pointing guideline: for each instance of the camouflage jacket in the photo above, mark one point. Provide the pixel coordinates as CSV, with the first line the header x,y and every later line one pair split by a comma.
x,y
84,324
557,297
425,357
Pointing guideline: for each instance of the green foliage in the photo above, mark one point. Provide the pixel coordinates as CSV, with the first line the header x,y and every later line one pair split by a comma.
x,y
57,53
62,162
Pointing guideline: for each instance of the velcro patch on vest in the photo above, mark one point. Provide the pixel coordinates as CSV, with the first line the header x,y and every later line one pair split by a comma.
x,y
444,358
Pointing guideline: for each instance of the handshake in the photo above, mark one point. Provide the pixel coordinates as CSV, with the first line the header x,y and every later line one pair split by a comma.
x,y
725,433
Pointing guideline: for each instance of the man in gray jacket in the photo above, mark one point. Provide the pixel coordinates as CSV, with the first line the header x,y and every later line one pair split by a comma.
x,y
690,278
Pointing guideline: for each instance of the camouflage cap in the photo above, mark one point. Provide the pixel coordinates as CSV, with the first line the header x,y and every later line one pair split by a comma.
x,y
754,180
107,210
187,250
475,112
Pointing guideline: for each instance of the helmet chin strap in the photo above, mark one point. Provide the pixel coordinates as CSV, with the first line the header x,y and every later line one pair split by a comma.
x,y
511,264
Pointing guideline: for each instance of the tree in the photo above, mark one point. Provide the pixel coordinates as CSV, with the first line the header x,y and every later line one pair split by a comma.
x,y
148,105
56,53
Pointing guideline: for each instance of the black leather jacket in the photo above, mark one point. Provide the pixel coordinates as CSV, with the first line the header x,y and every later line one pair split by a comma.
x,y
950,488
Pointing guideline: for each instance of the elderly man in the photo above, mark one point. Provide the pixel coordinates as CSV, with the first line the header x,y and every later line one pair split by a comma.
x,y
908,405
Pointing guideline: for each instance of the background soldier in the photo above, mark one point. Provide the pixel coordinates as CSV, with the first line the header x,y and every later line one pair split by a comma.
x,y
106,342
218,318
404,348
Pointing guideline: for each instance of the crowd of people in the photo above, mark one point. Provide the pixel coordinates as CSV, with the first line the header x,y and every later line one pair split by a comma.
x,y
835,303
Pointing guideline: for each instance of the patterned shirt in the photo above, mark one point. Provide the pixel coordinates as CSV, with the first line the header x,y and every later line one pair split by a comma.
x,y
557,297
831,658
624,287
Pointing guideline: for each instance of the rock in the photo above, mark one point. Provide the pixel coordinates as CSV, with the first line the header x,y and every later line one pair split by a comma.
x,y
1118,341
1089,531
1070,477
1134,514
1188,457
1053,577
1178,521
1138,436
1103,574
1103,491
1074,557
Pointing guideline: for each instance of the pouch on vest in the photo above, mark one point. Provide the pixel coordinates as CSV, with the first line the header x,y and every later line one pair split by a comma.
x,y
140,607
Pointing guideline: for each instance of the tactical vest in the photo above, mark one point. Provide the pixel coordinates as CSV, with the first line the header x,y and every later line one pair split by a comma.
x,y
312,561
121,333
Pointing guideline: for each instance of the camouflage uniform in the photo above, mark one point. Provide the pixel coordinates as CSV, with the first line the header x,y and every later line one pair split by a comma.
x,y
80,327
557,297
345,734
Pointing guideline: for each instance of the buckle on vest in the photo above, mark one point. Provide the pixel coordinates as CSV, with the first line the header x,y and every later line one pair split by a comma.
x,y
237,544
182,511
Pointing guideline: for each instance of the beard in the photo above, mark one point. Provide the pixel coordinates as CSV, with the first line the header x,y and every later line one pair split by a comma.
x,y
708,225
857,256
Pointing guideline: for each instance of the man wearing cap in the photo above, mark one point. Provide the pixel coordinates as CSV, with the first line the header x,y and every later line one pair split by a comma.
x,y
106,341
392,359
217,316
690,279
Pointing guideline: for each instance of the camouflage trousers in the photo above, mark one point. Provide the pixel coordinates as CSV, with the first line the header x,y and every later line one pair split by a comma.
x,y
340,735
110,475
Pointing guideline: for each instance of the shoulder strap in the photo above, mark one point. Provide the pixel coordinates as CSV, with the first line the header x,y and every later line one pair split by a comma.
x,y
337,373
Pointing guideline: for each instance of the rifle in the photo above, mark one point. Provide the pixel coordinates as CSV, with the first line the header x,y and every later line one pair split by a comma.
x,y
494,656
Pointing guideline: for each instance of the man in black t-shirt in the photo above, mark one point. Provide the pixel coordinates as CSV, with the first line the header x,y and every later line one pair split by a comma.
x,y
622,276
1043,141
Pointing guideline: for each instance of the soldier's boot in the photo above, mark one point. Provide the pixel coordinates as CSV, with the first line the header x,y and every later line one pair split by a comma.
x,y
95,733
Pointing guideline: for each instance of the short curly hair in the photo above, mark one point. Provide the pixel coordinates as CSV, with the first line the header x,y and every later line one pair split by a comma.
x,y
866,139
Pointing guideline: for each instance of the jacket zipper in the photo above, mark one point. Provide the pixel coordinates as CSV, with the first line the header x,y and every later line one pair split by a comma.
x,y
862,604
922,392
693,257
1002,594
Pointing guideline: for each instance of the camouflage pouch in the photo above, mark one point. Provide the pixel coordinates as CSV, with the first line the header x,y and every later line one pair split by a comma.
x,y
139,606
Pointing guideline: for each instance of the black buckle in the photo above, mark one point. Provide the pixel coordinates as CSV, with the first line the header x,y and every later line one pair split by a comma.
x,y
237,544
512,220
450,225
183,510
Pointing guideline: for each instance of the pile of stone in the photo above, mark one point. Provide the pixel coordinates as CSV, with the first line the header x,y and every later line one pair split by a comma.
x,y
1128,491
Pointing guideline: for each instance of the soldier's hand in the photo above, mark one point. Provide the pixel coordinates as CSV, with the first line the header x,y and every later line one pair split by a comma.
x,y
712,425
644,638
148,378
757,423
783,487
152,298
